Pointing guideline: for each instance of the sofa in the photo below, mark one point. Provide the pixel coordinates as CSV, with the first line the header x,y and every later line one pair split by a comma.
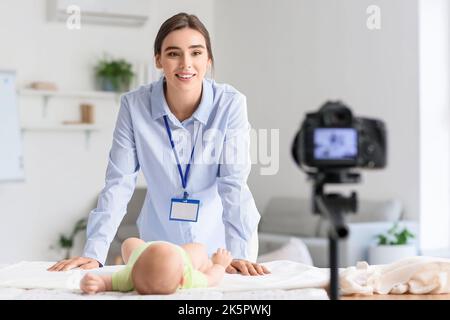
x,y
127,227
286,218
289,222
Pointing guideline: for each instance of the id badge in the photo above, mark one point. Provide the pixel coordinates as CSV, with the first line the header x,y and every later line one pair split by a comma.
x,y
184,209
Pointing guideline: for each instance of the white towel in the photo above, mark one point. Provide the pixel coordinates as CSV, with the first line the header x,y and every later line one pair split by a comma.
x,y
34,275
285,275
415,275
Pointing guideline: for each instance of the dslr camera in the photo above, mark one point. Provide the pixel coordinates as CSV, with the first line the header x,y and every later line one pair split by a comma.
x,y
333,142
333,139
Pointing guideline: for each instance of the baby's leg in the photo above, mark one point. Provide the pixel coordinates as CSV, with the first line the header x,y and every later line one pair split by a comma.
x,y
199,256
128,246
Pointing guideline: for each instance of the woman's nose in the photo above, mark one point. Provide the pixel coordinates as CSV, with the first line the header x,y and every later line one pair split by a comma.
x,y
186,62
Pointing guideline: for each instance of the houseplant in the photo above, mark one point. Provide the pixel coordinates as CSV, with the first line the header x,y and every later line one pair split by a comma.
x,y
114,74
392,246
66,242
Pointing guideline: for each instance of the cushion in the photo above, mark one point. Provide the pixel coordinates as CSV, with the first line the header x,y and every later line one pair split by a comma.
x,y
294,250
379,211
127,231
289,215
134,206
368,211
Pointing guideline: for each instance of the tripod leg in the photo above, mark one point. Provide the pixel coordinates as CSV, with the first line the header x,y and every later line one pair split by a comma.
x,y
334,271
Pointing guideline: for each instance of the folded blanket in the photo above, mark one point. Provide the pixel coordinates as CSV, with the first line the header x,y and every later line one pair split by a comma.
x,y
415,275
34,275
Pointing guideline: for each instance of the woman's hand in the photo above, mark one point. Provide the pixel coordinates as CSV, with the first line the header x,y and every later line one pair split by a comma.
x,y
246,268
75,262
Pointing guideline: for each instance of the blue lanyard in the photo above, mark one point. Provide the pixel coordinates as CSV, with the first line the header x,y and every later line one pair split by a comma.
x,y
184,178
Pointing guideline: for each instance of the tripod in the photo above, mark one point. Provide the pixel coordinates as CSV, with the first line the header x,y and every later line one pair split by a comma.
x,y
332,206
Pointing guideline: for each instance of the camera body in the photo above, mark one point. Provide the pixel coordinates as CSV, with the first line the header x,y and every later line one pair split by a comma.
x,y
333,138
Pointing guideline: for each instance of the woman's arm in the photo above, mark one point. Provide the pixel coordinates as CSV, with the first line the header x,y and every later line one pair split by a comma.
x,y
121,175
240,215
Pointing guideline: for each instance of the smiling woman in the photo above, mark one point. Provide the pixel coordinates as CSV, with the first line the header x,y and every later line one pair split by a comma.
x,y
184,54
188,200
185,60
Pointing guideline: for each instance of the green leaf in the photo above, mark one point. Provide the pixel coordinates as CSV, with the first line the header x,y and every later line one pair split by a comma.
x,y
119,72
65,242
395,237
382,240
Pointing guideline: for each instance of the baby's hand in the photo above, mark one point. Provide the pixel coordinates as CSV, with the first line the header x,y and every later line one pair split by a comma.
x,y
222,257
92,283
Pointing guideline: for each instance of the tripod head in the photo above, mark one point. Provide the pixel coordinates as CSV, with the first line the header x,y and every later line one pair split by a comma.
x,y
333,205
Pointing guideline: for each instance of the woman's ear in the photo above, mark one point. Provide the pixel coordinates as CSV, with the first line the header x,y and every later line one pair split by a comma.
x,y
158,61
209,68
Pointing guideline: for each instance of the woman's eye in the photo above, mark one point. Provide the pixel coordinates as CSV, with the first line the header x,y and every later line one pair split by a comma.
x,y
172,54
196,53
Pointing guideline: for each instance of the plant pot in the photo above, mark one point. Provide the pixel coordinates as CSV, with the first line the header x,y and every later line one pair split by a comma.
x,y
107,84
384,254
124,86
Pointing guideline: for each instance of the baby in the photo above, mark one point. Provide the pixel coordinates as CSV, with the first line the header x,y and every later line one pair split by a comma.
x,y
161,267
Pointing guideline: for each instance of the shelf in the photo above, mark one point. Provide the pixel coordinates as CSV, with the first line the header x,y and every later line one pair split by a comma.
x,y
87,128
60,127
70,94
47,94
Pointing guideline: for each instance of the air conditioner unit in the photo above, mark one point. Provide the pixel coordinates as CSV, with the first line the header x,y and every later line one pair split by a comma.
x,y
109,12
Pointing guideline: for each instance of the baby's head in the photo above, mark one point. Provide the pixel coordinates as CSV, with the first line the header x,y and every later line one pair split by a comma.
x,y
158,270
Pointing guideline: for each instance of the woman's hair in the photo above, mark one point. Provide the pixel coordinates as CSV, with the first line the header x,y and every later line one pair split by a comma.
x,y
180,21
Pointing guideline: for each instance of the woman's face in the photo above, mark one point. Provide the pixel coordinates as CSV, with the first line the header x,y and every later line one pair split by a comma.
x,y
184,59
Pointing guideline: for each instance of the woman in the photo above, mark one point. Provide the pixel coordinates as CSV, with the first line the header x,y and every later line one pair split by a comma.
x,y
190,137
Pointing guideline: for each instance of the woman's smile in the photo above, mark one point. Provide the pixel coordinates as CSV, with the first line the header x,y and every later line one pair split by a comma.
x,y
185,76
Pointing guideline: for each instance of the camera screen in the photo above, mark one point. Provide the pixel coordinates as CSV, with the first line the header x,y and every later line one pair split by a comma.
x,y
335,144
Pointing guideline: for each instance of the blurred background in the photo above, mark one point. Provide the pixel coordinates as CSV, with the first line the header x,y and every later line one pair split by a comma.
x,y
384,59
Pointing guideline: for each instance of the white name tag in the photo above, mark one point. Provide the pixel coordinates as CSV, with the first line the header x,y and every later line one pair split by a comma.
x,y
184,209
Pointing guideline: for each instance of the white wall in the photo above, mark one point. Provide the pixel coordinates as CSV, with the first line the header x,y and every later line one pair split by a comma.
x,y
434,124
63,178
289,56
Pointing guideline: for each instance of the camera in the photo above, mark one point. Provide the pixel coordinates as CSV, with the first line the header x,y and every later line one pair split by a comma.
x,y
333,142
333,138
